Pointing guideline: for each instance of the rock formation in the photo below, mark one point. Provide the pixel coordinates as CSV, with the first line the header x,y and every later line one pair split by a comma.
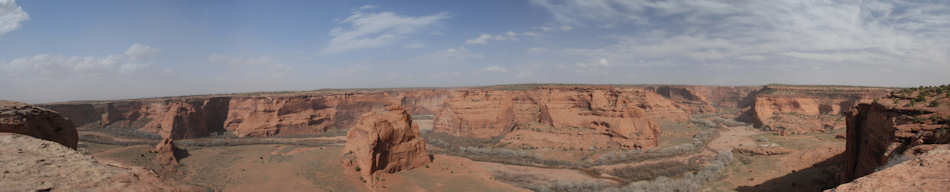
x,y
167,155
166,152
384,140
929,172
37,122
37,165
879,133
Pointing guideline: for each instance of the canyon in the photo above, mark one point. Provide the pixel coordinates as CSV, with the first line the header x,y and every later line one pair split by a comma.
x,y
538,137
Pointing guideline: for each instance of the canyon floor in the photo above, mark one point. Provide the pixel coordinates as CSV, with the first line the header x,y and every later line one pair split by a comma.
x,y
313,163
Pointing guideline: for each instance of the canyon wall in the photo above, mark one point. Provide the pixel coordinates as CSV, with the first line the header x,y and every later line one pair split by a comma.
x,y
788,109
290,114
520,115
886,132
619,117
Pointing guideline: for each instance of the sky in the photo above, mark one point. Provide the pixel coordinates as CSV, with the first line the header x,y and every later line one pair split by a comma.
x,y
59,50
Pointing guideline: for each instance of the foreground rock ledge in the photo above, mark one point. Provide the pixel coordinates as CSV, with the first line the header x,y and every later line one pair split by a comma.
x,y
30,164
384,140
37,122
929,172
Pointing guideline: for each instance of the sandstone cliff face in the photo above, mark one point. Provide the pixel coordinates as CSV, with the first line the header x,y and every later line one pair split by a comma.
x,y
624,116
184,118
37,122
246,115
802,109
929,172
384,140
46,166
879,133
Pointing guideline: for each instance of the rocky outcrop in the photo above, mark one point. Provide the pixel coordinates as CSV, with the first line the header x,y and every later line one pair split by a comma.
x,y
384,140
37,165
166,152
167,155
623,116
929,172
37,122
879,133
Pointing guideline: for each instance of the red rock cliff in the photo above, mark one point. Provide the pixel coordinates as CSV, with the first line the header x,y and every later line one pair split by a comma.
x,y
804,109
624,116
879,133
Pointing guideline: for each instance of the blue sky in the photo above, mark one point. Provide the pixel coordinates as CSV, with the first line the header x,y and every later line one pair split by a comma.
x,y
71,50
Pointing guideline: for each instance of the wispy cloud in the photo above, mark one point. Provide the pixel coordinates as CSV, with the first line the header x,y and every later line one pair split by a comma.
x,y
11,15
370,30
510,35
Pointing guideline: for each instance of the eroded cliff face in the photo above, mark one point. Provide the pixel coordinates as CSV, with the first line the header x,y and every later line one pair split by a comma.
x,y
803,109
607,117
176,118
37,122
881,133
384,140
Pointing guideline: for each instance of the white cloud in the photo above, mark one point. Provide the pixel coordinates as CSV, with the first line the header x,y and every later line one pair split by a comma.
x,y
135,58
140,51
495,68
598,64
371,30
11,15
509,35
481,39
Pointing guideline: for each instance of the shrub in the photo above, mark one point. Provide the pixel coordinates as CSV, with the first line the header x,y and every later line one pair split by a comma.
x,y
933,104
